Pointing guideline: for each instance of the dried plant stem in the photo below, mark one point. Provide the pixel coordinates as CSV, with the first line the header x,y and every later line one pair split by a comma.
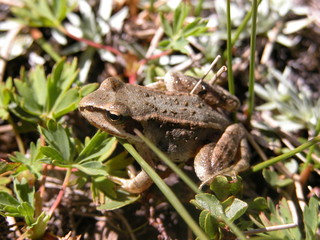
x,y
271,228
17,136
91,43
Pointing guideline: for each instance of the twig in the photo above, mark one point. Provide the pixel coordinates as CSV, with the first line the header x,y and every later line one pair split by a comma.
x,y
269,46
214,62
271,228
153,44
91,43
299,191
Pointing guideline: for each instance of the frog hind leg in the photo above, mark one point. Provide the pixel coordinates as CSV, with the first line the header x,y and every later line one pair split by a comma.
x,y
228,156
137,184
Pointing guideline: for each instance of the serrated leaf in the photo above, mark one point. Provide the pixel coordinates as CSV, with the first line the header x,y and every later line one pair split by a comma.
x,y
99,146
166,26
88,88
195,28
180,15
7,166
180,45
6,200
101,184
39,226
165,44
121,201
52,154
27,98
58,138
22,114
91,168
310,218
23,191
67,102
27,211
39,85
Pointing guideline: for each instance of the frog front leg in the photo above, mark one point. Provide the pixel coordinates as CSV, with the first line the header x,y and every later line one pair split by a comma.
x,y
228,156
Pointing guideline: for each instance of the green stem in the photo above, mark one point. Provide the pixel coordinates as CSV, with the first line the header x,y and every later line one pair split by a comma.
x,y
186,179
312,148
198,8
239,30
172,198
229,51
286,155
40,40
252,58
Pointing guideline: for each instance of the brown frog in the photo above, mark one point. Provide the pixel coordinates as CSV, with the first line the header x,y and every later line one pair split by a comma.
x,y
180,124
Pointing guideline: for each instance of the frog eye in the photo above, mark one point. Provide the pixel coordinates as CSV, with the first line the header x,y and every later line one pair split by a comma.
x,y
114,116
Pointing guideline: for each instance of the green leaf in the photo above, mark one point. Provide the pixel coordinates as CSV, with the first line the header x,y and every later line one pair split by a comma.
x,y
54,84
7,201
27,98
209,224
166,26
5,98
61,99
180,45
99,145
119,162
52,153
42,13
100,184
180,15
165,44
23,191
67,102
88,88
274,179
223,188
38,227
310,218
7,166
22,114
259,204
58,138
32,161
236,209
38,85
195,28
209,202
27,211
121,201
91,168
